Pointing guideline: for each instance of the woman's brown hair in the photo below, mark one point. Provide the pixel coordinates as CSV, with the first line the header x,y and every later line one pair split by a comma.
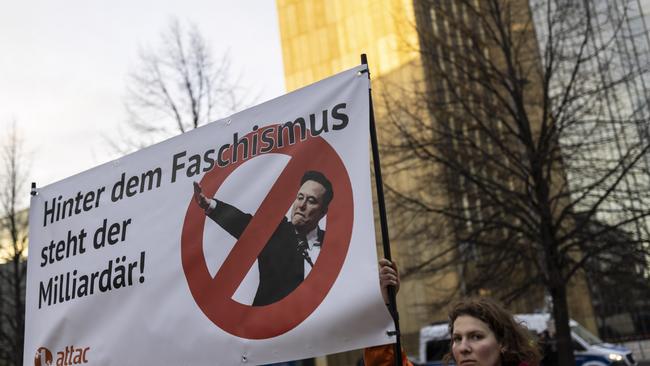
x,y
516,341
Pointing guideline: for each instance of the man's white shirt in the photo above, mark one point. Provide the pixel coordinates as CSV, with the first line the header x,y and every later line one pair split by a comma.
x,y
313,250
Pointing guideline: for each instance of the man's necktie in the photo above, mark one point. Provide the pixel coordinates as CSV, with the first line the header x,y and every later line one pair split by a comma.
x,y
302,249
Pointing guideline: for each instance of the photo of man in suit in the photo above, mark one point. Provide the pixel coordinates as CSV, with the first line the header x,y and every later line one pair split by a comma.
x,y
292,249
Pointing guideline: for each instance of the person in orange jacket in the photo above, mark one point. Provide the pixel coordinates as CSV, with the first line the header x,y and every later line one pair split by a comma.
x,y
483,333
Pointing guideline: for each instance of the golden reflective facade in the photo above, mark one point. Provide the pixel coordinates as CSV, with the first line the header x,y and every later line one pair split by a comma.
x,y
323,37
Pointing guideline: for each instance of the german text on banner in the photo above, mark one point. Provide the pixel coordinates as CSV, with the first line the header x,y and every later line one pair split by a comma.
x,y
247,241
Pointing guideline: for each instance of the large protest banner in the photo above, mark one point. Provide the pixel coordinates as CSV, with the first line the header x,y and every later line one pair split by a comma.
x,y
128,264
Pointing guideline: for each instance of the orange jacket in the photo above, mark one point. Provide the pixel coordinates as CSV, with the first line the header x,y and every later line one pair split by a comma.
x,y
383,356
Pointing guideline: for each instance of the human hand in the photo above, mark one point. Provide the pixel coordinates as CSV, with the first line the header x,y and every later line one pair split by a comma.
x,y
388,276
199,197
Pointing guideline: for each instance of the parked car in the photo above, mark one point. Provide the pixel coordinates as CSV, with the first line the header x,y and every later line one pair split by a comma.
x,y
589,350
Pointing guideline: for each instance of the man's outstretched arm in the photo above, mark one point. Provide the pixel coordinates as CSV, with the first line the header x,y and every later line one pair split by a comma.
x,y
228,217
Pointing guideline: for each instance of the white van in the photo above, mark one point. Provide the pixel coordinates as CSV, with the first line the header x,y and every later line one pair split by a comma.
x,y
589,350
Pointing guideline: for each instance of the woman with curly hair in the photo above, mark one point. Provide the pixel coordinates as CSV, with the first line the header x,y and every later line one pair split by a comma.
x,y
482,333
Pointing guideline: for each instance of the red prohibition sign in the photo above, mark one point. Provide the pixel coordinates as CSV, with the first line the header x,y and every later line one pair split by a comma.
x,y
213,295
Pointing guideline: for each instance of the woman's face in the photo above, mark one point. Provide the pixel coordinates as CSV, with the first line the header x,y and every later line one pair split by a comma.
x,y
474,344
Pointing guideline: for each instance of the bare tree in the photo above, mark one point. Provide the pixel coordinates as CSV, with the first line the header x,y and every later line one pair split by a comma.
x,y
13,249
177,87
520,137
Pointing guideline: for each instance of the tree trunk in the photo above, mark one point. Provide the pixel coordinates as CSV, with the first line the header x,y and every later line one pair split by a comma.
x,y
562,328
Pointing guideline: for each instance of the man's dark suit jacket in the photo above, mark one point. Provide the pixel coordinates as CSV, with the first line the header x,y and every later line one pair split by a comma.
x,y
281,264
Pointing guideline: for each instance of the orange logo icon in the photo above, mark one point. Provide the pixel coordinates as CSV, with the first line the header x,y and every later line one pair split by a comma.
x,y
43,357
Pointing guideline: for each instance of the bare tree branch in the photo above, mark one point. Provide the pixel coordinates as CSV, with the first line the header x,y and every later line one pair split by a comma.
x,y
177,87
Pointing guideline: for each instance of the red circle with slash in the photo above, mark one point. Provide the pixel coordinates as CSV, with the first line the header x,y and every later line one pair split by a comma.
x,y
214,294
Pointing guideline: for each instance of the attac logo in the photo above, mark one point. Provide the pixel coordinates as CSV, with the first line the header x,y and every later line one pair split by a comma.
x,y
68,357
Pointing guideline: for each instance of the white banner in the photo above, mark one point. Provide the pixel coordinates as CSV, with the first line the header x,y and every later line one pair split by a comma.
x,y
272,258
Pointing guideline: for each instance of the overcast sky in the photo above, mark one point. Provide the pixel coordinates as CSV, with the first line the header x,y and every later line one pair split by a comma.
x,y
64,65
